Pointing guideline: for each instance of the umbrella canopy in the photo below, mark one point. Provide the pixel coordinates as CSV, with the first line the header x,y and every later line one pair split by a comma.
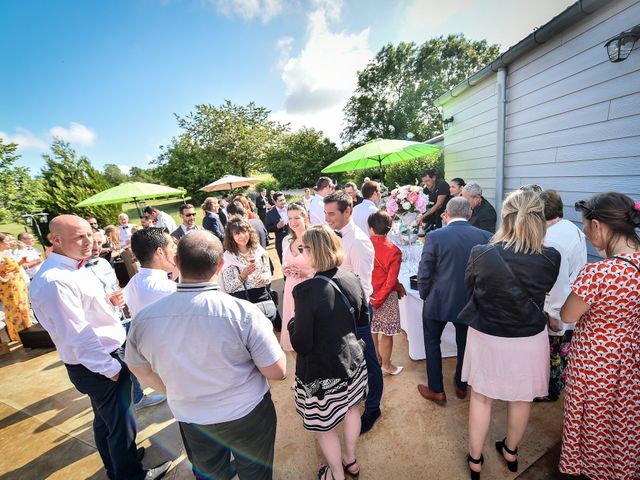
x,y
229,182
130,192
380,153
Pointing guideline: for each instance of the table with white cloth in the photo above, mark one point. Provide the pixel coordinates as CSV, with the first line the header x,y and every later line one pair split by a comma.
x,y
411,309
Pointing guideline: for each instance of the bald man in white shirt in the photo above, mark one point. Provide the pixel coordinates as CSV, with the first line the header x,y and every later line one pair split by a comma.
x,y
70,303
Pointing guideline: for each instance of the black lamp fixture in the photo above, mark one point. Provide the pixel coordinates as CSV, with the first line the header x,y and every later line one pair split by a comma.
x,y
32,220
447,122
620,46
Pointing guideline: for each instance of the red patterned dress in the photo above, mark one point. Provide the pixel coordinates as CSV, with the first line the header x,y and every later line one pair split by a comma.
x,y
601,437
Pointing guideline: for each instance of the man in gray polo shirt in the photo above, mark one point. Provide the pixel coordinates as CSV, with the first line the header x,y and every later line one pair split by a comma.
x,y
212,354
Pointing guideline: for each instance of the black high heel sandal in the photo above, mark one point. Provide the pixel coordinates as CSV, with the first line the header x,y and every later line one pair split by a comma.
x,y
476,461
323,472
349,472
501,447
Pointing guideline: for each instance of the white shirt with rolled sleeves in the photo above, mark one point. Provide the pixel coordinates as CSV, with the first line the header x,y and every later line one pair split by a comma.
x,y
166,221
125,234
361,214
358,255
570,241
31,254
316,211
71,305
146,287
206,346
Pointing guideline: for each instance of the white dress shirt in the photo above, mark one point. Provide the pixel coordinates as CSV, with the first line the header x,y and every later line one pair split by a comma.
x,y
283,214
31,254
165,220
316,210
125,234
358,255
146,287
361,214
569,240
71,305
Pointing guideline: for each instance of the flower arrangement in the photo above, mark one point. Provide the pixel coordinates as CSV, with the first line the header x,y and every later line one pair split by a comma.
x,y
406,199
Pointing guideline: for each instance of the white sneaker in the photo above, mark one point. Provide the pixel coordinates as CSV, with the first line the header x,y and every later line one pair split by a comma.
x,y
148,401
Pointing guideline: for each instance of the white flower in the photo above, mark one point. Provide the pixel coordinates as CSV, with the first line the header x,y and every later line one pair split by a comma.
x,y
406,205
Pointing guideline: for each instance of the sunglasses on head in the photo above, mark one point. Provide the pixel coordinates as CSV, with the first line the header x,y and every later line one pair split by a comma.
x,y
531,186
581,206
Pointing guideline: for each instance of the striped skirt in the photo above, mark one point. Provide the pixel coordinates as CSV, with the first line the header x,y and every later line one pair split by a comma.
x,y
324,403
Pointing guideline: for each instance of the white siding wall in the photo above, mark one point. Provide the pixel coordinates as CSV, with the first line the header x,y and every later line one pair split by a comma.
x,y
573,117
470,141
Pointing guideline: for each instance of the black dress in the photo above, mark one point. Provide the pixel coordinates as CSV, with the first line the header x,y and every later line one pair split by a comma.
x,y
331,373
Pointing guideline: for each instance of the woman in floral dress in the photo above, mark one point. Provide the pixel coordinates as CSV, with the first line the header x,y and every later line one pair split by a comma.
x,y
296,266
601,436
13,290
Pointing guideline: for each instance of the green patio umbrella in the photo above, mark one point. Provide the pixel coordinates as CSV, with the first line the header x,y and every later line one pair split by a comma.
x,y
380,153
130,192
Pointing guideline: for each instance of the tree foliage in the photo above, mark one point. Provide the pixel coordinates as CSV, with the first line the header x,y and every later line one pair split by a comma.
x,y
19,193
299,158
396,92
115,176
69,179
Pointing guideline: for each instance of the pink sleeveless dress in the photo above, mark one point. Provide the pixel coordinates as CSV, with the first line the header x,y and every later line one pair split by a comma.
x,y
288,307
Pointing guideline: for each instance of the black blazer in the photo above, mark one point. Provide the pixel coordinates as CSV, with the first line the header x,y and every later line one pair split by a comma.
x,y
178,233
322,324
213,224
271,222
502,305
484,216
261,205
441,270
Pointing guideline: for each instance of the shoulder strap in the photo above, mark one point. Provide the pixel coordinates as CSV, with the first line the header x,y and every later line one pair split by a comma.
x,y
345,300
246,292
627,261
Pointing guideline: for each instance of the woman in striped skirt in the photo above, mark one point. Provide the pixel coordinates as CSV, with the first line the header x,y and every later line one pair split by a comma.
x,y
331,374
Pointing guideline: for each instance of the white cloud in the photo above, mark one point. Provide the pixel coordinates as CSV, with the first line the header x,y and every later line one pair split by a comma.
x,y
321,77
25,139
124,169
249,9
429,13
76,134
149,158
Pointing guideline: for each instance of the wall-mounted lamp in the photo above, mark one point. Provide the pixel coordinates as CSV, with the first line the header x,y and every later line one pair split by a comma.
x,y
447,122
620,46
32,220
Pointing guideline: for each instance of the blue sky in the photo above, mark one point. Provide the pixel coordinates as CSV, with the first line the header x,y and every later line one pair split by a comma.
x,y
109,75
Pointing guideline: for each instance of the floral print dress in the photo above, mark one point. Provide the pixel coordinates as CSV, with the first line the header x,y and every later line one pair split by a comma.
x,y
14,297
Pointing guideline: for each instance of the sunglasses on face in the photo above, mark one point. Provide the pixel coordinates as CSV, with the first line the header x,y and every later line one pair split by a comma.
x,y
189,214
301,248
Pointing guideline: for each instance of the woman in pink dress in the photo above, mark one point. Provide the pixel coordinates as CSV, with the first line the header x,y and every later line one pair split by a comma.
x,y
295,268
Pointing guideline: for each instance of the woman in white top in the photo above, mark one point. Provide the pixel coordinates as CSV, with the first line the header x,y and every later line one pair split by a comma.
x,y
246,263
306,199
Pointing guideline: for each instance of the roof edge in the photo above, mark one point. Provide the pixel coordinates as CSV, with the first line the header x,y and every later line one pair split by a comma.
x,y
565,19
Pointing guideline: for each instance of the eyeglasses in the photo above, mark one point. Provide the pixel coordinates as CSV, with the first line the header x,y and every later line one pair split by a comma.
x,y
93,224
581,206
531,186
189,214
301,248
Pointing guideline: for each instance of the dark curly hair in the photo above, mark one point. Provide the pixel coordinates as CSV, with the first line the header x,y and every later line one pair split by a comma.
x,y
238,225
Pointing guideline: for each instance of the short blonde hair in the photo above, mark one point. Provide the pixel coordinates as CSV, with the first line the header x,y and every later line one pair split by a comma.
x,y
324,247
523,223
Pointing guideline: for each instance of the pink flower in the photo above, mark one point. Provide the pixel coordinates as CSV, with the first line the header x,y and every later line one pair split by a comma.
x,y
412,197
421,204
392,207
637,206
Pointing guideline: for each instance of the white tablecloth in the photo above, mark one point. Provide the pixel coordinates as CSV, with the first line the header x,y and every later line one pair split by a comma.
x,y
411,312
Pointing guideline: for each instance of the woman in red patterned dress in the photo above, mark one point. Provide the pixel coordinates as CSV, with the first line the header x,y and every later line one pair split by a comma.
x,y
601,437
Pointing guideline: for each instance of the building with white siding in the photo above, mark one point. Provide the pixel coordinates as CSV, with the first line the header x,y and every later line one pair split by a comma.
x,y
552,110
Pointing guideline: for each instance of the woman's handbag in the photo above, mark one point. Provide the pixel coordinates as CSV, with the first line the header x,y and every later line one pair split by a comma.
x,y
402,292
262,298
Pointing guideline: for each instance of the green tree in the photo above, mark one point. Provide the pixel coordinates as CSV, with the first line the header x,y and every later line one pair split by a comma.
x,y
299,158
113,175
19,193
396,92
147,175
69,179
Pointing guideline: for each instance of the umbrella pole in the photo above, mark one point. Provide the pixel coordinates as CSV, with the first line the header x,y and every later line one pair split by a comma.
x,y
381,171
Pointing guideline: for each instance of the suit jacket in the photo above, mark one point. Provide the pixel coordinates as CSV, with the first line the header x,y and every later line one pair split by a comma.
x,y
212,223
261,205
178,233
442,267
484,216
263,236
271,222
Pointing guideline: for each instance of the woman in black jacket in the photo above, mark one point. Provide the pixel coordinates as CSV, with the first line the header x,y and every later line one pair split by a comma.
x,y
507,353
331,373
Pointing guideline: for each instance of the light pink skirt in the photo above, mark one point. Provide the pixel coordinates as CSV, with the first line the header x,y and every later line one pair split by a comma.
x,y
509,369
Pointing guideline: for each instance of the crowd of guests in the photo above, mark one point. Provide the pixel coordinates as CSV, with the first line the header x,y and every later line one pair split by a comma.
x,y
204,321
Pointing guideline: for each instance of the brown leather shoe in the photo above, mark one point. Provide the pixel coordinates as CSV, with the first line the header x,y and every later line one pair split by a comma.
x,y
426,392
461,393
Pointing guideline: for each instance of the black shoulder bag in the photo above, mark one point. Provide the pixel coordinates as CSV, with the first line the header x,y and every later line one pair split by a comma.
x,y
347,303
261,298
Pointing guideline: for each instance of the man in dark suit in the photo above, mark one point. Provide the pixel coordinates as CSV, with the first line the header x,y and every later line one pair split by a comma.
x,y
277,221
262,204
484,215
187,213
211,220
441,286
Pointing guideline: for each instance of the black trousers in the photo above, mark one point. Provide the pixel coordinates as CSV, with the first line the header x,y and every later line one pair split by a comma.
x,y
114,425
251,439
432,334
